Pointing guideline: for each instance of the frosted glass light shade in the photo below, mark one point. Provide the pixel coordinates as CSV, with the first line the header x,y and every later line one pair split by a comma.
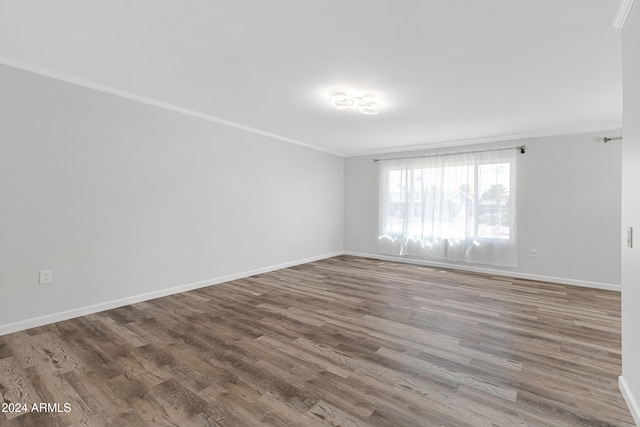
x,y
364,104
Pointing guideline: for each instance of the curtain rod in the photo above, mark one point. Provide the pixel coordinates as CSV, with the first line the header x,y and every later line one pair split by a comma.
x,y
614,138
520,148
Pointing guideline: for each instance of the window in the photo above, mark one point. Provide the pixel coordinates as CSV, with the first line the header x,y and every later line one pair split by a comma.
x,y
457,208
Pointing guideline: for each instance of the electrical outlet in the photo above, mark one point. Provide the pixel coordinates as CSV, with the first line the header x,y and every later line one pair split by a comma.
x,y
533,252
46,276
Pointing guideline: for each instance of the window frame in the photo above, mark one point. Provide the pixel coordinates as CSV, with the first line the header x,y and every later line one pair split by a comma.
x,y
384,208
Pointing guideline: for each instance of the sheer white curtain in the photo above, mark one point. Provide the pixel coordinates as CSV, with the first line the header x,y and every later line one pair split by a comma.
x,y
456,207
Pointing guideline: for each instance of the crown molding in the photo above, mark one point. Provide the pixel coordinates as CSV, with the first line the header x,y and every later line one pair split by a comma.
x,y
611,127
21,65
622,13
25,66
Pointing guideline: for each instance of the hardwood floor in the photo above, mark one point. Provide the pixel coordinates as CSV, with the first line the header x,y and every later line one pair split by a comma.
x,y
344,342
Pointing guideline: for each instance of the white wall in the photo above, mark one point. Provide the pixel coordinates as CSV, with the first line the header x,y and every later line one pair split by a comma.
x,y
630,380
568,208
123,199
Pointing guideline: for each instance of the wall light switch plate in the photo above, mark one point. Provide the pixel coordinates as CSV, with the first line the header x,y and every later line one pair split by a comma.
x,y
46,277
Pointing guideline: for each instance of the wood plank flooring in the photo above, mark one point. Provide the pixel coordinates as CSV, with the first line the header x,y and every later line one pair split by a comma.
x,y
343,342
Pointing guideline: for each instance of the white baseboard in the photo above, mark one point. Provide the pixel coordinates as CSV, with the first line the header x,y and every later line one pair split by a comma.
x,y
495,272
95,308
632,403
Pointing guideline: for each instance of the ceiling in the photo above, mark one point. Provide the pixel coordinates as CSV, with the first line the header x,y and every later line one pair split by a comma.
x,y
443,71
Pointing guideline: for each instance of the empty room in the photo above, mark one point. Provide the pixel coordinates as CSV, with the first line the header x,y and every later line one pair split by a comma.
x,y
320,213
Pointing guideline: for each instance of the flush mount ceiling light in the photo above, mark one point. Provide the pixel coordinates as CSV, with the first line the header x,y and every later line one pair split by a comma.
x,y
365,104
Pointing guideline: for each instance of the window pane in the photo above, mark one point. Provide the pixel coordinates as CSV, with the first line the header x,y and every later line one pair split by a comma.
x,y
446,202
494,204
395,200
